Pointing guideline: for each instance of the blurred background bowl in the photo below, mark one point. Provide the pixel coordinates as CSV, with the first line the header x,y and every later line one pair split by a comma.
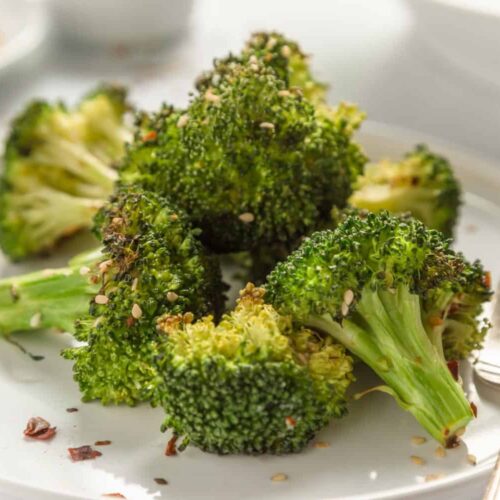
x,y
125,22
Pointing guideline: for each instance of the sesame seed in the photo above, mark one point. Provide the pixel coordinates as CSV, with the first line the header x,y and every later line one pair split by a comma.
x,y
253,59
290,422
101,299
418,440
460,432
472,459
36,320
433,477
211,97
84,270
344,309
285,51
271,43
417,460
172,296
136,311
135,282
182,121
103,266
284,93
188,317
246,217
440,452
279,477
321,444
348,297
267,125
254,67
174,217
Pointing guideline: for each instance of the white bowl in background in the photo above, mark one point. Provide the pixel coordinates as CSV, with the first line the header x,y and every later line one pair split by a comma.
x,y
127,22
466,32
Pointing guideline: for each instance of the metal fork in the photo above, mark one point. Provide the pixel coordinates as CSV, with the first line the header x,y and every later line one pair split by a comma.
x,y
487,364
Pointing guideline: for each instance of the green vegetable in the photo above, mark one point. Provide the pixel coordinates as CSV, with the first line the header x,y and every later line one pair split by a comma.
x,y
423,184
252,383
59,169
385,287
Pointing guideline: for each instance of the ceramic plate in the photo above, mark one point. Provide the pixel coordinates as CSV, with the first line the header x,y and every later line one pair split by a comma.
x,y
369,451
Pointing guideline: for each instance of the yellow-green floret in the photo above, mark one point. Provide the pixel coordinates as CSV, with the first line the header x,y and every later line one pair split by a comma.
x,y
252,383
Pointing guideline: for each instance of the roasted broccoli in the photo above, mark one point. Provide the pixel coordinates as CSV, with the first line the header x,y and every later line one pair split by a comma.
x,y
250,160
423,183
388,288
59,169
252,383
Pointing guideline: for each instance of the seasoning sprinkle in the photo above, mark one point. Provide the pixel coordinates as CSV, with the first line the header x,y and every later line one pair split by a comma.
x,y
71,410
418,440
279,477
348,297
135,282
160,480
267,125
440,452
321,444
211,97
344,309
36,320
472,459
182,121
104,442
172,296
136,311
284,93
101,299
417,460
84,270
460,432
433,477
286,51
246,217
104,266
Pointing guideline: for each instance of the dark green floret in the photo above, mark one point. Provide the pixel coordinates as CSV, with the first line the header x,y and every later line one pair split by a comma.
x,y
396,295
59,169
423,184
252,383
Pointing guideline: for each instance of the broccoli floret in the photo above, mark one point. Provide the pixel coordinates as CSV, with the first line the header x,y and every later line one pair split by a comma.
x,y
252,383
154,264
423,183
249,160
59,169
380,285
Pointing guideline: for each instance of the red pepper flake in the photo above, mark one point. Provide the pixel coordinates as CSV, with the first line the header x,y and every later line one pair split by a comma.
x,y
487,279
290,422
85,452
435,321
71,410
161,481
473,407
113,495
130,322
171,449
39,428
150,136
453,367
104,442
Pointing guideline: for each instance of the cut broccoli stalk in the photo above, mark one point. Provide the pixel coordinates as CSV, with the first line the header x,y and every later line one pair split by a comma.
x,y
387,333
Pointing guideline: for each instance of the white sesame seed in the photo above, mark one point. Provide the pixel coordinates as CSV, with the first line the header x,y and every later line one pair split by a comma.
x,y
103,266
433,477
418,440
460,432
84,270
135,282
417,460
285,51
246,217
440,452
172,296
279,477
271,43
321,444
36,320
182,121
253,59
472,459
267,125
211,97
284,93
348,297
344,309
101,299
136,311
254,67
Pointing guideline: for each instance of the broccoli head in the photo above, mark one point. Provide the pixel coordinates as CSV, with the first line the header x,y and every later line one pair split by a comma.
x,y
384,287
249,160
152,264
59,169
252,383
423,183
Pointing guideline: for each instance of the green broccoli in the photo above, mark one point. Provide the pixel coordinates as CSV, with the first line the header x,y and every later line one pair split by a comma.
x,y
250,160
252,383
423,183
59,169
151,263
384,287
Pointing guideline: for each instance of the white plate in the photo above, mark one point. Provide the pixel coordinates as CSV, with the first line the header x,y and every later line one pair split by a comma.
x,y
370,450
23,26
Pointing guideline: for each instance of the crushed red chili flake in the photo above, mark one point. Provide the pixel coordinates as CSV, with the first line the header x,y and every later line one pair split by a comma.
x,y
487,279
130,321
453,367
114,495
150,136
84,452
160,480
104,442
171,449
39,428
71,410
290,422
473,407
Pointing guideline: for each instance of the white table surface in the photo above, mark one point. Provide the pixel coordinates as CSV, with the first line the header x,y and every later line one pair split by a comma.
x,y
369,52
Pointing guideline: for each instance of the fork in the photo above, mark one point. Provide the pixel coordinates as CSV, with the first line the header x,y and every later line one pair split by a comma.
x,y
487,364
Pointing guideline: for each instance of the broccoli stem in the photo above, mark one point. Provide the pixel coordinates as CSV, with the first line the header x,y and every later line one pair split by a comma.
x,y
52,298
387,333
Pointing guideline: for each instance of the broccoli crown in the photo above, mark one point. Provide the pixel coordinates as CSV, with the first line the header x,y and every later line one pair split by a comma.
x,y
273,49
423,183
58,169
388,288
252,383
153,264
249,161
